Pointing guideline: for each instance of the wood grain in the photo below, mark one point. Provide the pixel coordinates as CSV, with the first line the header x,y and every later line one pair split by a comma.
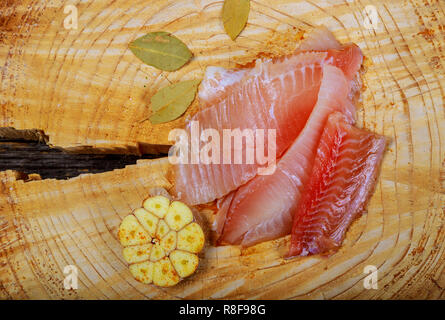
x,y
83,88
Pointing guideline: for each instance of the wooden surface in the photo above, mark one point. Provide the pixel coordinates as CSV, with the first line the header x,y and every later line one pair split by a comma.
x,y
84,89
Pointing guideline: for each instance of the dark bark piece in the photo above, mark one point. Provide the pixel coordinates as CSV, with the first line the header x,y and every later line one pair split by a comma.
x,y
33,157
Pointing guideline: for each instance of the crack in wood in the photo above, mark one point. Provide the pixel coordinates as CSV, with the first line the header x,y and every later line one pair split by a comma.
x,y
34,157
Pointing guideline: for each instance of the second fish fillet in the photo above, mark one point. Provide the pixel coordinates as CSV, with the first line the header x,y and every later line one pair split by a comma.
x,y
342,179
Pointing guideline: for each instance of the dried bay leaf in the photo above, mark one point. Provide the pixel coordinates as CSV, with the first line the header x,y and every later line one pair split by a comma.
x,y
234,15
161,50
172,101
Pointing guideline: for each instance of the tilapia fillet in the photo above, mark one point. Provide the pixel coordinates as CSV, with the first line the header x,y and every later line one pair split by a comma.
x,y
271,96
341,182
276,94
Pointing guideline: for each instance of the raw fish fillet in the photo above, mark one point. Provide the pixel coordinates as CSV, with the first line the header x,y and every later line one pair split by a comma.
x,y
321,39
341,182
276,94
262,208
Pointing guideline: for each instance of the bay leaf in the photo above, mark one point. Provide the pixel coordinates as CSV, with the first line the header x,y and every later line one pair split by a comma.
x,y
172,101
161,50
234,15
